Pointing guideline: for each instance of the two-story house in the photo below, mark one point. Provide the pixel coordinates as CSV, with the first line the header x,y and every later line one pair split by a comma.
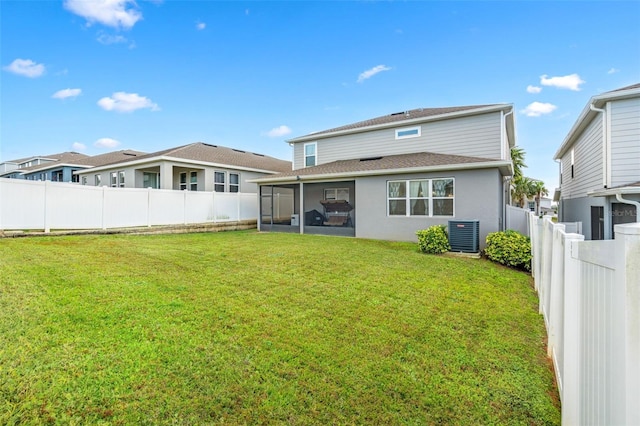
x,y
390,176
55,167
599,164
193,167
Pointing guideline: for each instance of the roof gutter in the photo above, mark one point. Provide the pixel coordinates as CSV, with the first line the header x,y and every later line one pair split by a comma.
x,y
505,166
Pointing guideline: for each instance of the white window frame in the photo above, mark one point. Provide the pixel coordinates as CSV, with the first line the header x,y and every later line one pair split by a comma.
x,y
193,184
121,178
417,129
217,184
429,197
84,180
182,183
234,187
97,180
332,193
315,154
114,179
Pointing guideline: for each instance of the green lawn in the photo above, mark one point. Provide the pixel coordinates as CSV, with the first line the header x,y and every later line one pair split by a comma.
x,y
252,328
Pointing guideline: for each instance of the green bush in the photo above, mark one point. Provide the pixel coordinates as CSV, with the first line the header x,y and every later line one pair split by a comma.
x,y
510,248
433,240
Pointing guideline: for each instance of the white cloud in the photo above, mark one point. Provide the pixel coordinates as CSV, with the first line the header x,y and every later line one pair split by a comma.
x,y
571,82
112,13
66,93
279,131
111,39
25,67
534,89
371,72
536,109
77,146
200,26
613,71
127,102
106,143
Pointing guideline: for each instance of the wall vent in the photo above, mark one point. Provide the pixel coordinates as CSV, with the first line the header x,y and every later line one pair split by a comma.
x,y
464,236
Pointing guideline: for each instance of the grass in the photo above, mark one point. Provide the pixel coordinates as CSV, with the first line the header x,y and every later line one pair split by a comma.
x,y
253,328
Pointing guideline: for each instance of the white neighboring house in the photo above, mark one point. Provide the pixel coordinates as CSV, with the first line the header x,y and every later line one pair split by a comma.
x,y
195,167
600,164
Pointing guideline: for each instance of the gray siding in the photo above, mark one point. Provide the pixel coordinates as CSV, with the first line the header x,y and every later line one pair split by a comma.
x,y
475,136
478,195
588,163
625,141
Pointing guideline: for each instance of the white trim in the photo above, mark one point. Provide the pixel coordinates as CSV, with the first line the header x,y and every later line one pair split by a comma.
x,y
505,165
408,129
429,197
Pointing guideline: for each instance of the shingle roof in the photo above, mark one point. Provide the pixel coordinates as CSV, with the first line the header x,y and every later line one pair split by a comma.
x,y
401,116
386,163
69,157
633,86
217,154
113,157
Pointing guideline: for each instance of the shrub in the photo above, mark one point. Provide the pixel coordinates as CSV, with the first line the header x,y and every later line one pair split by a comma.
x,y
510,248
433,240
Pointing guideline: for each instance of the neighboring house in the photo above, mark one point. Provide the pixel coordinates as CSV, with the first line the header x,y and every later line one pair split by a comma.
x,y
600,164
194,167
49,167
63,167
390,176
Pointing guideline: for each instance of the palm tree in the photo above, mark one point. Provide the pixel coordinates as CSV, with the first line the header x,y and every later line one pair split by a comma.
x,y
538,190
517,158
521,189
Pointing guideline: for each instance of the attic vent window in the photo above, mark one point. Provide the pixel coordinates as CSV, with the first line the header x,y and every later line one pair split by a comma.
x,y
408,132
259,155
371,159
131,154
397,113
208,144
239,150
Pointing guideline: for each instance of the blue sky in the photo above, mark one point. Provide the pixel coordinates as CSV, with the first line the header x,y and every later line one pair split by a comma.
x,y
97,76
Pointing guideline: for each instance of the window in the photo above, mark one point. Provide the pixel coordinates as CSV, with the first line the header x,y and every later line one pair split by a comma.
x,y
408,132
76,178
150,180
310,154
336,194
193,181
56,176
573,158
183,181
218,181
234,182
121,179
114,179
420,197
84,180
97,179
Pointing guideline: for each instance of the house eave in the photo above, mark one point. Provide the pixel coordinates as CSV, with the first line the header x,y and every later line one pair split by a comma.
x,y
469,112
185,161
623,190
503,166
587,115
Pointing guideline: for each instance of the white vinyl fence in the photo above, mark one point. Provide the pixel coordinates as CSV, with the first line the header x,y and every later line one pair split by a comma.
x,y
53,205
589,295
517,219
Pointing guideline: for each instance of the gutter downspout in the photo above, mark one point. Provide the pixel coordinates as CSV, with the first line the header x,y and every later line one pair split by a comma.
x,y
506,184
605,146
504,134
625,201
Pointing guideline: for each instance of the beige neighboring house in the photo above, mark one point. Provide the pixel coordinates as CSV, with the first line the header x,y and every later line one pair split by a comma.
x,y
195,167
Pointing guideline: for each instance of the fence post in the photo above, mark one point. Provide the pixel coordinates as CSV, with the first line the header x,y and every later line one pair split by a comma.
x,y
556,293
628,273
149,207
47,228
184,207
569,384
104,207
213,206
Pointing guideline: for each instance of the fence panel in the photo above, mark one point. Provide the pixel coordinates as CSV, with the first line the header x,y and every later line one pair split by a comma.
x,y
590,297
29,205
517,219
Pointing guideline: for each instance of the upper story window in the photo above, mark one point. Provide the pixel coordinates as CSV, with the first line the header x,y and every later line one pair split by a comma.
x,y
573,159
408,132
310,154
193,181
